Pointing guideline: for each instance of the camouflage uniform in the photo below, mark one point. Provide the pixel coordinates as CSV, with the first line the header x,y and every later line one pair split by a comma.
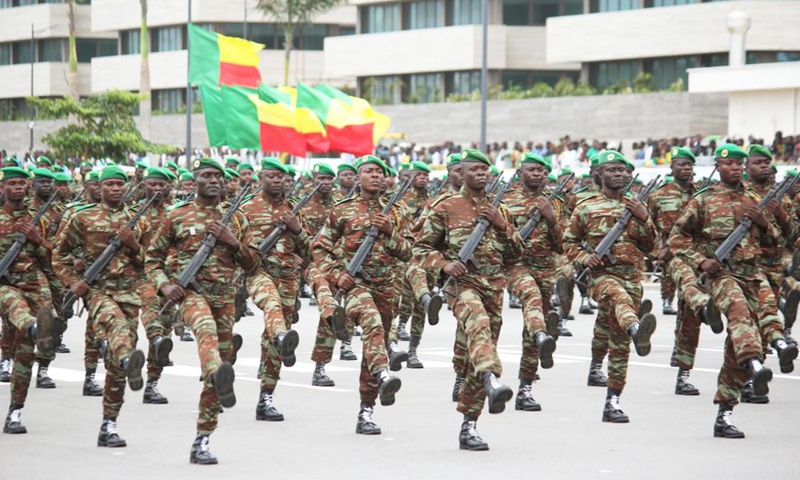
x,y
415,200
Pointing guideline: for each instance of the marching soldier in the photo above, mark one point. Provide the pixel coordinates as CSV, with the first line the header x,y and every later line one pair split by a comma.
x,y
346,176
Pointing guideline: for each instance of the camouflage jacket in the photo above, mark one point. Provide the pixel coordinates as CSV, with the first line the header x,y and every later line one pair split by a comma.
x,y
773,255
710,217
665,206
580,194
27,269
592,219
316,212
344,232
89,230
263,214
180,237
447,227
416,200
545,241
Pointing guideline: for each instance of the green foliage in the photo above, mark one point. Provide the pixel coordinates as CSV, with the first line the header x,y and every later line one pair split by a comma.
x,y
565,87
677,86
101,126
643,83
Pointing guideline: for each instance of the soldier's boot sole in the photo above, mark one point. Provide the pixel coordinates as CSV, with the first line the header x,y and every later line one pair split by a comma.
x,y
725,433
368,428
236,343
647,326
133,372
388,388
162,350
288,346
500,396
546,349
786,358
687,390
434,306
551,324
223,384
396,360
761,381
615,417
324,382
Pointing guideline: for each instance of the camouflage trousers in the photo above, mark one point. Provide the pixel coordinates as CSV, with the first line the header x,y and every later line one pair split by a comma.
x,y
479,316
154,324
416,283
621,298
119,321
325,339
601,332
732,376
667,286
564,269
91,345
211,319
533,287
276,298
690,300
56,288
19,305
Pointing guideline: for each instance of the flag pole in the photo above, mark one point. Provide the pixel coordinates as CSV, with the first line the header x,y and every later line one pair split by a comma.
x,y
188,89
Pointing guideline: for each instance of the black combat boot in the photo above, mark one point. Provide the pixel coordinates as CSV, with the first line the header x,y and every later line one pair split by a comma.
x,y
162,346
346,350
787,352
641,331
457,386
151,393
61,348
592,304
596,376
132,366
586,308
396,356
387,386
320,378
200,454
611,412
760,375
5,370
711,316
563,331
236,344
186,335
413,361
667,308
723,426
497,394
90,386
265,409
749,396
402,333
513,301
645,307
365,425
287,344
13,423
551,323
546,345
432,305
223,383
43,380
790,309
469,438
682,385
525,400
109,437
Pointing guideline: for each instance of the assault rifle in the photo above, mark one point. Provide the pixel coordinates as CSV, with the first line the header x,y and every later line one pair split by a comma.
x,y
536,216
288,193
130,191
20,240
603,249
707,181
352,192
102,261
187,276
272,239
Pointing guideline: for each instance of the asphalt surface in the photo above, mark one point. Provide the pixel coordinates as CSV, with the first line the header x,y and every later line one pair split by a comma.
x,y
669,436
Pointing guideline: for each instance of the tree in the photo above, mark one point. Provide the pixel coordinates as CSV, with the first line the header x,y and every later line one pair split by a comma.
x,y
291,14
103,126
72,78
145,105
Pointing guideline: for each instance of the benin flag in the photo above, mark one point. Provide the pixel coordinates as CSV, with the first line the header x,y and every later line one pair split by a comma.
x,y
349,130
307,122
218,60
380,121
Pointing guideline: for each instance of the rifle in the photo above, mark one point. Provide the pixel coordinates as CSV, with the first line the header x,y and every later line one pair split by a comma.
x,y
78,195
536,217
603,249
707,181
20,240
352,192
272,239
187,276
466,254
438,189
287,193
129,193
102,261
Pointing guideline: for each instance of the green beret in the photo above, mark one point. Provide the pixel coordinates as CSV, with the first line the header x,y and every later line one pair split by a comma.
x,y
183,170
186,176
232,173
93,176
44,160
791,173
306,174
233,160
392,172
226,174
323,169
565,171
203,163
86,164
453,159
345,166
13,160
172,164
157,173
113,172
172,177
43,173
244,166
110,162
758,151
372,159
680,152
551,177
290,170
272,163
404,166
13,172
586,175
729,150
531,157
611,156
638,181
773,167
418,166
629,165
494,170
444,177
140,164
594,159
64,178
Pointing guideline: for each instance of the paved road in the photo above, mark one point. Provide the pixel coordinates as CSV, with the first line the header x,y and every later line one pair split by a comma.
x,y
668,437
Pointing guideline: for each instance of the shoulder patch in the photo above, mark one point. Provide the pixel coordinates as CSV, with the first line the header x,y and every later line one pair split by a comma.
x,y
85,207
177,205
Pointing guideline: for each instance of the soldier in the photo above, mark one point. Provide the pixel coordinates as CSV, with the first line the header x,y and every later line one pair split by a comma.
x,y
476,297
615,286
369,297
62,183
273,287
23,291
111,300
209,312
346,176
231,183
390,182
245,173
533,275
743,293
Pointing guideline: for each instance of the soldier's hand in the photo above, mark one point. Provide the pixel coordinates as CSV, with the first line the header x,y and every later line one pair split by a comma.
x,y
346,282
173,293
593,261
79,288
224,234
292,223
455,269
547,211
711,266
757,216
776,208
32,233
128,238
384,223
665,255
78,264
637,208
494,216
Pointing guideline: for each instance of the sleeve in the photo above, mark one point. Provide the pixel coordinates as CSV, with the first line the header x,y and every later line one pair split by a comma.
x,y
69,239
399,243
156,255
248,255
429,240
681,238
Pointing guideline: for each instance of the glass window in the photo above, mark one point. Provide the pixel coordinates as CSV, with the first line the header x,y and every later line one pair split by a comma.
x,y
463,12
131,42
573,7
543,9
343,31
264,33
5,54
666,71
516,12
607,74
380,18
88,48
50,50
167,39
425,88
526,79
464,83
21,52
22,3
613,5
380,90
418,15
5,4
168,101
310,37
788,57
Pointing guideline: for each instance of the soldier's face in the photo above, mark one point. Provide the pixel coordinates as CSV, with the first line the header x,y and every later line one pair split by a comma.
x,y
682,169
272,182
153,186
421,180
63,191
476,175
389,182
208,182
247,176
614,176
370,177
188,186
533,175
758,169
288,181
730,170
112,191
455,175
15,189
347,179
93,192
326,181
43,187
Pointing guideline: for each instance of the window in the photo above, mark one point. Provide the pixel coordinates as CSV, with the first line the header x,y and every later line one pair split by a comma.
x,y
310,37
168,101
380,90
89,48
131,42
23,3
425,88
263,33
614,5
418,15
168,39
463,12
21,52
536,12
6,4
772,57
608,74
714,60
516,12
343,31
380,18
666,71
5,54
51,50
463,83
526,79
